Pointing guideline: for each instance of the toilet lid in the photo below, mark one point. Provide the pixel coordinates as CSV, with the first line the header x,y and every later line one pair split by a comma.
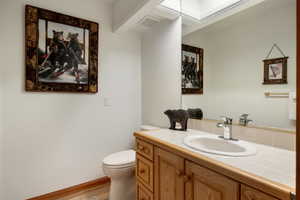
x,y
120,158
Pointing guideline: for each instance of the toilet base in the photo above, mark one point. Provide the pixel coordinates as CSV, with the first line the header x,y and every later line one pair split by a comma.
x,y
122,188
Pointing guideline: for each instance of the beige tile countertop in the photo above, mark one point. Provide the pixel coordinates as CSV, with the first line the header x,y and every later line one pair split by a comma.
x,y
275,164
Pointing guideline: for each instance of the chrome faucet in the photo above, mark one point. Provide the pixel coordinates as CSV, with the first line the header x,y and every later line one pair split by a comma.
x,y
227,125
244,121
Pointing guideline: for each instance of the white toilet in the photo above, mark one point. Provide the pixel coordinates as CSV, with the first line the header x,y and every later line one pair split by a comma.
x,y
120,168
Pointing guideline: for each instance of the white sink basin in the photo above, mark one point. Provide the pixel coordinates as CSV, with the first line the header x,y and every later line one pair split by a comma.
x,y
215,145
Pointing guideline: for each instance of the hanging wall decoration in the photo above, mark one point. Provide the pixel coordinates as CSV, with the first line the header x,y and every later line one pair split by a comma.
x,y
275,69
192,70
61,52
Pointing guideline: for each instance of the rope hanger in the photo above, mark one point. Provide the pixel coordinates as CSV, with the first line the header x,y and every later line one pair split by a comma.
x,y
278,48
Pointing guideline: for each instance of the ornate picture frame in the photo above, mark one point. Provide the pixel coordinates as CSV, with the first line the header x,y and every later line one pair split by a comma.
x,y
61,52
275,71
192,70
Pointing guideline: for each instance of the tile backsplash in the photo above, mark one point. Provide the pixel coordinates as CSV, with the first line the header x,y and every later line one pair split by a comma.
x,y
267,136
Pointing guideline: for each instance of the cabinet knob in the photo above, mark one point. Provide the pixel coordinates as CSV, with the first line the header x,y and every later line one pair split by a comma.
x,y
179,173
141,147
142,171
187,178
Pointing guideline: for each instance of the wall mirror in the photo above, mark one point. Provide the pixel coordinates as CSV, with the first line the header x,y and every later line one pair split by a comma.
x,y
239,57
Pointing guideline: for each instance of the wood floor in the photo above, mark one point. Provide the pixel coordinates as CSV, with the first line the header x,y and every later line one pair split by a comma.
x,y
97,193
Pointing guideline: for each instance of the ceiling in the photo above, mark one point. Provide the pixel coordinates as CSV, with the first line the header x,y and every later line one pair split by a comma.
x,y
192,20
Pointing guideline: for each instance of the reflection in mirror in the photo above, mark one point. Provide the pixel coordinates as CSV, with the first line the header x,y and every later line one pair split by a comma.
x,y
239,57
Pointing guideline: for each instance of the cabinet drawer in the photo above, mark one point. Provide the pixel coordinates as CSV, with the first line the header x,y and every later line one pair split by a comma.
x,y
248,193
144,171
145,149
142,193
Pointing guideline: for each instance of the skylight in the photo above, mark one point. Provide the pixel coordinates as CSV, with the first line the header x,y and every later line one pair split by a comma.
x,y
172,4
199,9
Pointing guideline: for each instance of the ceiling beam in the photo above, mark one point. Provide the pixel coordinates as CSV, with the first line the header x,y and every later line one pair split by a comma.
x,y
126,14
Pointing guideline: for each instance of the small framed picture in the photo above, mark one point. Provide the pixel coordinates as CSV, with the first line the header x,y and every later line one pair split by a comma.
x,y
275,71
192,70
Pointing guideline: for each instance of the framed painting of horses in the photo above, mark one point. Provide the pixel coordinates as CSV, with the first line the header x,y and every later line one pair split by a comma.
x,y
192,70
61,52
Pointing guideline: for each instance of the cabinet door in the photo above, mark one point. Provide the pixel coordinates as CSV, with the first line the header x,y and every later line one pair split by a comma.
x,y
204,184
169,173
142,193
248,193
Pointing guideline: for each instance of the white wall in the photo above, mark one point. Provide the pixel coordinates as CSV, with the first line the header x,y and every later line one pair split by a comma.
x,y
233,69
122,10
1,152
2,52
161,71
56,140
1,134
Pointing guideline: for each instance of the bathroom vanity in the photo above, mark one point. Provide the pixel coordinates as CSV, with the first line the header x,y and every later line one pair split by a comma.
x,y
167,169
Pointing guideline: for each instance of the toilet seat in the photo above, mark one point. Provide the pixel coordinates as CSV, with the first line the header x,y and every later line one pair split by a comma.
x,y
122,159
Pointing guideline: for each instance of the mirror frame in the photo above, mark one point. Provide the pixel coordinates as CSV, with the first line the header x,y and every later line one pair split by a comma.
x,y
298,106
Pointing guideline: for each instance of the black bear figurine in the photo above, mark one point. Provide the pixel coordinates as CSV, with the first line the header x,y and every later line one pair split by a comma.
x,y
180,116
195,113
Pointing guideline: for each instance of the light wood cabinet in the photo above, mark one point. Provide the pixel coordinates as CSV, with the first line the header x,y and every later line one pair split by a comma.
x,y
169,176
145,149
165,175
144,172
248,193
204,184
142,193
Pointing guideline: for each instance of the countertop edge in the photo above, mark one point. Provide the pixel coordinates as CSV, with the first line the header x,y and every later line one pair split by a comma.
x,y
260,183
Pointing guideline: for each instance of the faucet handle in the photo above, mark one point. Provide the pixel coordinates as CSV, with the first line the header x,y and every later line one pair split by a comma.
x,y
244,116
244,119
227,120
